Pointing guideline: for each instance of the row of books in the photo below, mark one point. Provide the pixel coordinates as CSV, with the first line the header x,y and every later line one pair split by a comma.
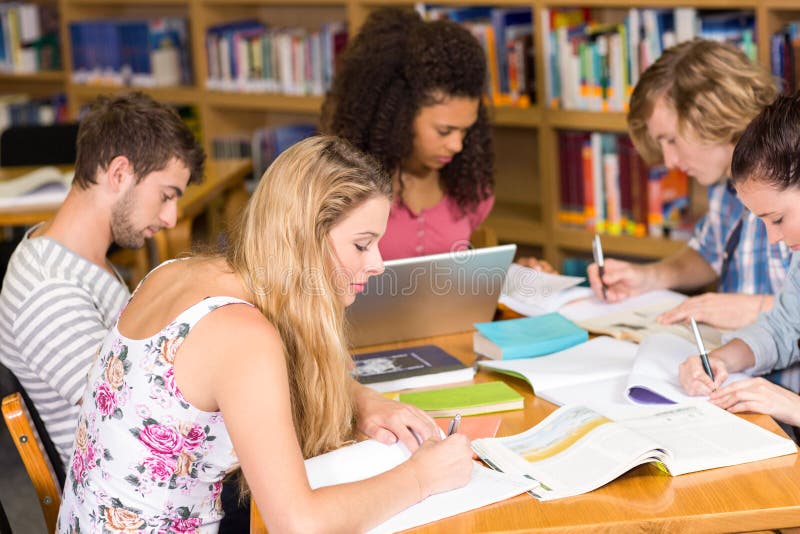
x,y
146,53
784,52
594,66
29,37
506,35
248,56
607,188
22,110
263,145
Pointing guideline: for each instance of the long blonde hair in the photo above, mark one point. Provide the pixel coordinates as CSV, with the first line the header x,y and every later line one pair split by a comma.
x,y
713,87
282,252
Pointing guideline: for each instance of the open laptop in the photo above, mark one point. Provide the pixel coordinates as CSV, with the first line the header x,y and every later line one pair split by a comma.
x,y
429,295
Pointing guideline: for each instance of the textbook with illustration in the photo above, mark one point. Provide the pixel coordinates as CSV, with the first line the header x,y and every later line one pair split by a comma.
x,y
531,292
46,187
526,337
411,367
634,319
607,370
577,449
370,458
487,397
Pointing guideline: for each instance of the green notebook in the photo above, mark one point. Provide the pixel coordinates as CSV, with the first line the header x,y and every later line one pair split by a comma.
x,y
465,400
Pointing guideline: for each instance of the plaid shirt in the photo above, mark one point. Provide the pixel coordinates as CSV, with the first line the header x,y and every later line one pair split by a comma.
x,y
755,268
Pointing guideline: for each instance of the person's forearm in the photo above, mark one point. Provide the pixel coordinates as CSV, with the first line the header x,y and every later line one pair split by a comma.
x,y
736,354
685,270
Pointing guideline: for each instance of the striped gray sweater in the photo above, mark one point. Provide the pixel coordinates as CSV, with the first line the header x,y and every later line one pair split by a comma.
x,y
55,309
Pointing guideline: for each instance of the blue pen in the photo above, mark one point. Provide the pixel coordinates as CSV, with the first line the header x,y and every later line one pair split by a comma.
x,y
702,348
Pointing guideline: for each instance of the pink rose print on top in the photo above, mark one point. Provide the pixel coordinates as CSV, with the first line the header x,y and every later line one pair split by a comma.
x,y
159,467
189,524
161,439
105,399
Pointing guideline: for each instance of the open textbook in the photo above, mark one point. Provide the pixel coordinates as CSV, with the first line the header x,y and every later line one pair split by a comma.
x,y
635,318
531,292
606,370
45,187
370,458
577,449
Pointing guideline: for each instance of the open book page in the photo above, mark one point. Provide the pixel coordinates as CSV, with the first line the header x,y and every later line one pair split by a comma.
x,y
595,360
654,377
572,451
593,307
636,324
701,436
43,187
531,292
370,458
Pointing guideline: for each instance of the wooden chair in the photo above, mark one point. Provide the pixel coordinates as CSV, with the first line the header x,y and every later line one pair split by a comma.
x,y
33,455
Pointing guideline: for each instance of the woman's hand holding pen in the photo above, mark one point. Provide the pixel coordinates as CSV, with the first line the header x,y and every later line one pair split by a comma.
x,y
622,279
695,380
442,465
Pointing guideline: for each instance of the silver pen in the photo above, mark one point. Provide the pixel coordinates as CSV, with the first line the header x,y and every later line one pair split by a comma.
x,y
597,252
702,348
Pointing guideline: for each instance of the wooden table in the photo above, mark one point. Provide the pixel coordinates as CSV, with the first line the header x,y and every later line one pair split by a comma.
x,y
223,182
743,498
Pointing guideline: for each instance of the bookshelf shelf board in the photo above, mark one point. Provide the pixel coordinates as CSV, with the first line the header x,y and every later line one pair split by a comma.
x,y
653,247
586,120
700,4
512,116
175,95
517,223
782,4
264,101
279,3
126,3
44,76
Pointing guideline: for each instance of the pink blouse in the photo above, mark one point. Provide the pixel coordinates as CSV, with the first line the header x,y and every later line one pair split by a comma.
x,y
441,228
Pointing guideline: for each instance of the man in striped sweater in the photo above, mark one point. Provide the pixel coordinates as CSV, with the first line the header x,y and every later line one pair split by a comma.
x,y
60,294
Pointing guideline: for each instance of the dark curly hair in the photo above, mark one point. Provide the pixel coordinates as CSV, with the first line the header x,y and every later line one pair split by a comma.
x,y
396,65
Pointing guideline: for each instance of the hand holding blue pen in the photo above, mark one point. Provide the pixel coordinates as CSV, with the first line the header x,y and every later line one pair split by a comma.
x,y
702,348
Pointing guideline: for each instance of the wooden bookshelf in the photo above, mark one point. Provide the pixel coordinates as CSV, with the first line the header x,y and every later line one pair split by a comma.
x,y
525,139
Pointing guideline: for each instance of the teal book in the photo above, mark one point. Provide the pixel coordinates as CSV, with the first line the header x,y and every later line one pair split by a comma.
x,y
527,337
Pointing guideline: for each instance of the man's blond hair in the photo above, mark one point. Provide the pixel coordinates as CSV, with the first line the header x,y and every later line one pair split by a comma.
x,y
713,87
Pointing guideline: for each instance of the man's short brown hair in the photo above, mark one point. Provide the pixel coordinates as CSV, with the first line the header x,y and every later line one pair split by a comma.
x,y
148,133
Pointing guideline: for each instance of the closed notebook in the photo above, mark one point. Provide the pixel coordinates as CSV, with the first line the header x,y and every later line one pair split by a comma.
x,y
465,400
411,367
527,337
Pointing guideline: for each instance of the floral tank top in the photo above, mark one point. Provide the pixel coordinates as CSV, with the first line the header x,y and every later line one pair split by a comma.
x,y
145,459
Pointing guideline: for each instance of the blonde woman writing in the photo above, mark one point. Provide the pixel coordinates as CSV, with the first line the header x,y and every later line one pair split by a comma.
x,y
221,362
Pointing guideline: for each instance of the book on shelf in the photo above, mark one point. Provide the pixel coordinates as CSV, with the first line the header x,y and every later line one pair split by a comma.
x,y
577,449
474,399
531,292
608,371
526,337
370,458
45,187
635,318
411,367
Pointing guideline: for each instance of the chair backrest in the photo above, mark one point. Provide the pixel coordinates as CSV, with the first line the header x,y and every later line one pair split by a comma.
x,y
31,451
38,145
483,236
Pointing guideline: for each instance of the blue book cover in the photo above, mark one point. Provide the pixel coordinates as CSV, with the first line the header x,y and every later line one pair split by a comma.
x,y
407,362
529,336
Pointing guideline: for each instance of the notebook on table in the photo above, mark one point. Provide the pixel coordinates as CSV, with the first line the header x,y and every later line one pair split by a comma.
x,y
430,296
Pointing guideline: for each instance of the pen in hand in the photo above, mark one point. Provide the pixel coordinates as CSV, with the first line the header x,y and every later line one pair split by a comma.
x,y
702,348
597,252
453,427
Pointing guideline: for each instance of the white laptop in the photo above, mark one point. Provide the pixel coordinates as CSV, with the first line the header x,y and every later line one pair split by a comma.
x,y
429,296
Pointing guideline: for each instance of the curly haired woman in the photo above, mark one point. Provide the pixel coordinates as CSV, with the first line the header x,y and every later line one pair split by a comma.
x,y
409,93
